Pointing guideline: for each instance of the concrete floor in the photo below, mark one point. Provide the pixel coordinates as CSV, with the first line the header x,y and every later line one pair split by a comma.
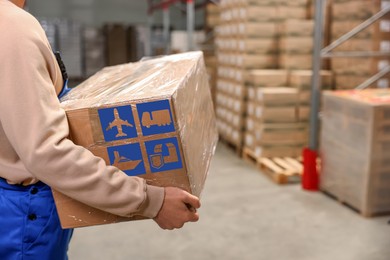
x,y
247,217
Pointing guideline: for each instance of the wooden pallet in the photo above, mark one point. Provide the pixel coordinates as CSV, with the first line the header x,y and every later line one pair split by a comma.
x,y
281,170
249,156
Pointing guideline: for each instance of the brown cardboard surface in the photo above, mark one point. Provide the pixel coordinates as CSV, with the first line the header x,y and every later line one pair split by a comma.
x,y
355,148
259,13
296,61
296,44
353,10
268,78
257,30
296,27
261,45
260,61
292,12
277,96
147,108
301,79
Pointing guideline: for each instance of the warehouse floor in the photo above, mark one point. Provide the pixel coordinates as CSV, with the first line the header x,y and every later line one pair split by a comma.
x,y
247,217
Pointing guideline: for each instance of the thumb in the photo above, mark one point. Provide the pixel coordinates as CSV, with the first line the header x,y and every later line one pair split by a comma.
x,y
192,201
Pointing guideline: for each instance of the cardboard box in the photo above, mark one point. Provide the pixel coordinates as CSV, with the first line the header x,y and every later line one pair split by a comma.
x,y
301,79
257,30
258,45
277,133
292,12
355,66
295,61
339,28
268,78
259,2
143,118
275,114
302,3
353,10
277,96
296,45
355,148
278,150
348,81
256,61
296,27
259,13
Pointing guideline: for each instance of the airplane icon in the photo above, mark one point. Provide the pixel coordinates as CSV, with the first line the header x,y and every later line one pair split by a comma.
x,y
124,163
118,123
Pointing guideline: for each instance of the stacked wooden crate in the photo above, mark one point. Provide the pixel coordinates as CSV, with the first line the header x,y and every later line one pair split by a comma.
x,y
345,15
355,149
247,39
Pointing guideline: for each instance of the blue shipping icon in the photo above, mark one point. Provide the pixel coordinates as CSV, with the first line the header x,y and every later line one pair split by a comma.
x,y
164,154
156,117
117,123
128,158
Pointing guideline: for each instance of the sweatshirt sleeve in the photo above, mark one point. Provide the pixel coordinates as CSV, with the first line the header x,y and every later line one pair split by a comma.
x,y
37,129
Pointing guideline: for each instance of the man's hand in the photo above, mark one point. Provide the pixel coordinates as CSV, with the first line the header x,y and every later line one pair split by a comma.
x,y
178,208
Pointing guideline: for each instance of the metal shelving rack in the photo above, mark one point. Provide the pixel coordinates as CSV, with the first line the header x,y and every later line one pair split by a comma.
x,y
320,53
164,5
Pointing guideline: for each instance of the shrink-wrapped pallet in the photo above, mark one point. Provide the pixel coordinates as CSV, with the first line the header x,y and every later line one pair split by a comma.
x,y
355,149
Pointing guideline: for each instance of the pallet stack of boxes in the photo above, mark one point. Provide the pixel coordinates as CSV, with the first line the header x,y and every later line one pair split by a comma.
x,y
271,128
355,149
295,35
301,81
345,15
264,51
277,122
212,18
247,39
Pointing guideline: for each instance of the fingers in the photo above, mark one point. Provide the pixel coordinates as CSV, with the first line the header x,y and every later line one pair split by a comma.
x,y
178,208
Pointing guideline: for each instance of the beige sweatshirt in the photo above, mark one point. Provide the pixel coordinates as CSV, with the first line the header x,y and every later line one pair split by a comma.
x,y
34,129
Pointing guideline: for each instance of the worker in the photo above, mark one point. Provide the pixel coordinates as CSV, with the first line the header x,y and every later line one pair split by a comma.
x,y
37,156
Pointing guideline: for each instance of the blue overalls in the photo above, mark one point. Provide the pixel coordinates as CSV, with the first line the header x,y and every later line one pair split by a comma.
x,y
29,224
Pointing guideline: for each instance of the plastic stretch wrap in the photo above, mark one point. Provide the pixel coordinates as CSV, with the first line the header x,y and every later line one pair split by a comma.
x,y
355,148
153,119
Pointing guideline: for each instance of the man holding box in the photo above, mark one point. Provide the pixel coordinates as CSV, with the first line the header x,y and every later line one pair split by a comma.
x,y
36,155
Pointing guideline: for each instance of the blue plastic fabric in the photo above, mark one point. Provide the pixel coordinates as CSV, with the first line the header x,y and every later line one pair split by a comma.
x,y
29,224
65,89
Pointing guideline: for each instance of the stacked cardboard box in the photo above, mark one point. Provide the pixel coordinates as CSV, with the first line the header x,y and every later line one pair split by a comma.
x,y
272,123
296,44
212,15
212,18
355,148
278,111
347,14
296,38
301,81
247,39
